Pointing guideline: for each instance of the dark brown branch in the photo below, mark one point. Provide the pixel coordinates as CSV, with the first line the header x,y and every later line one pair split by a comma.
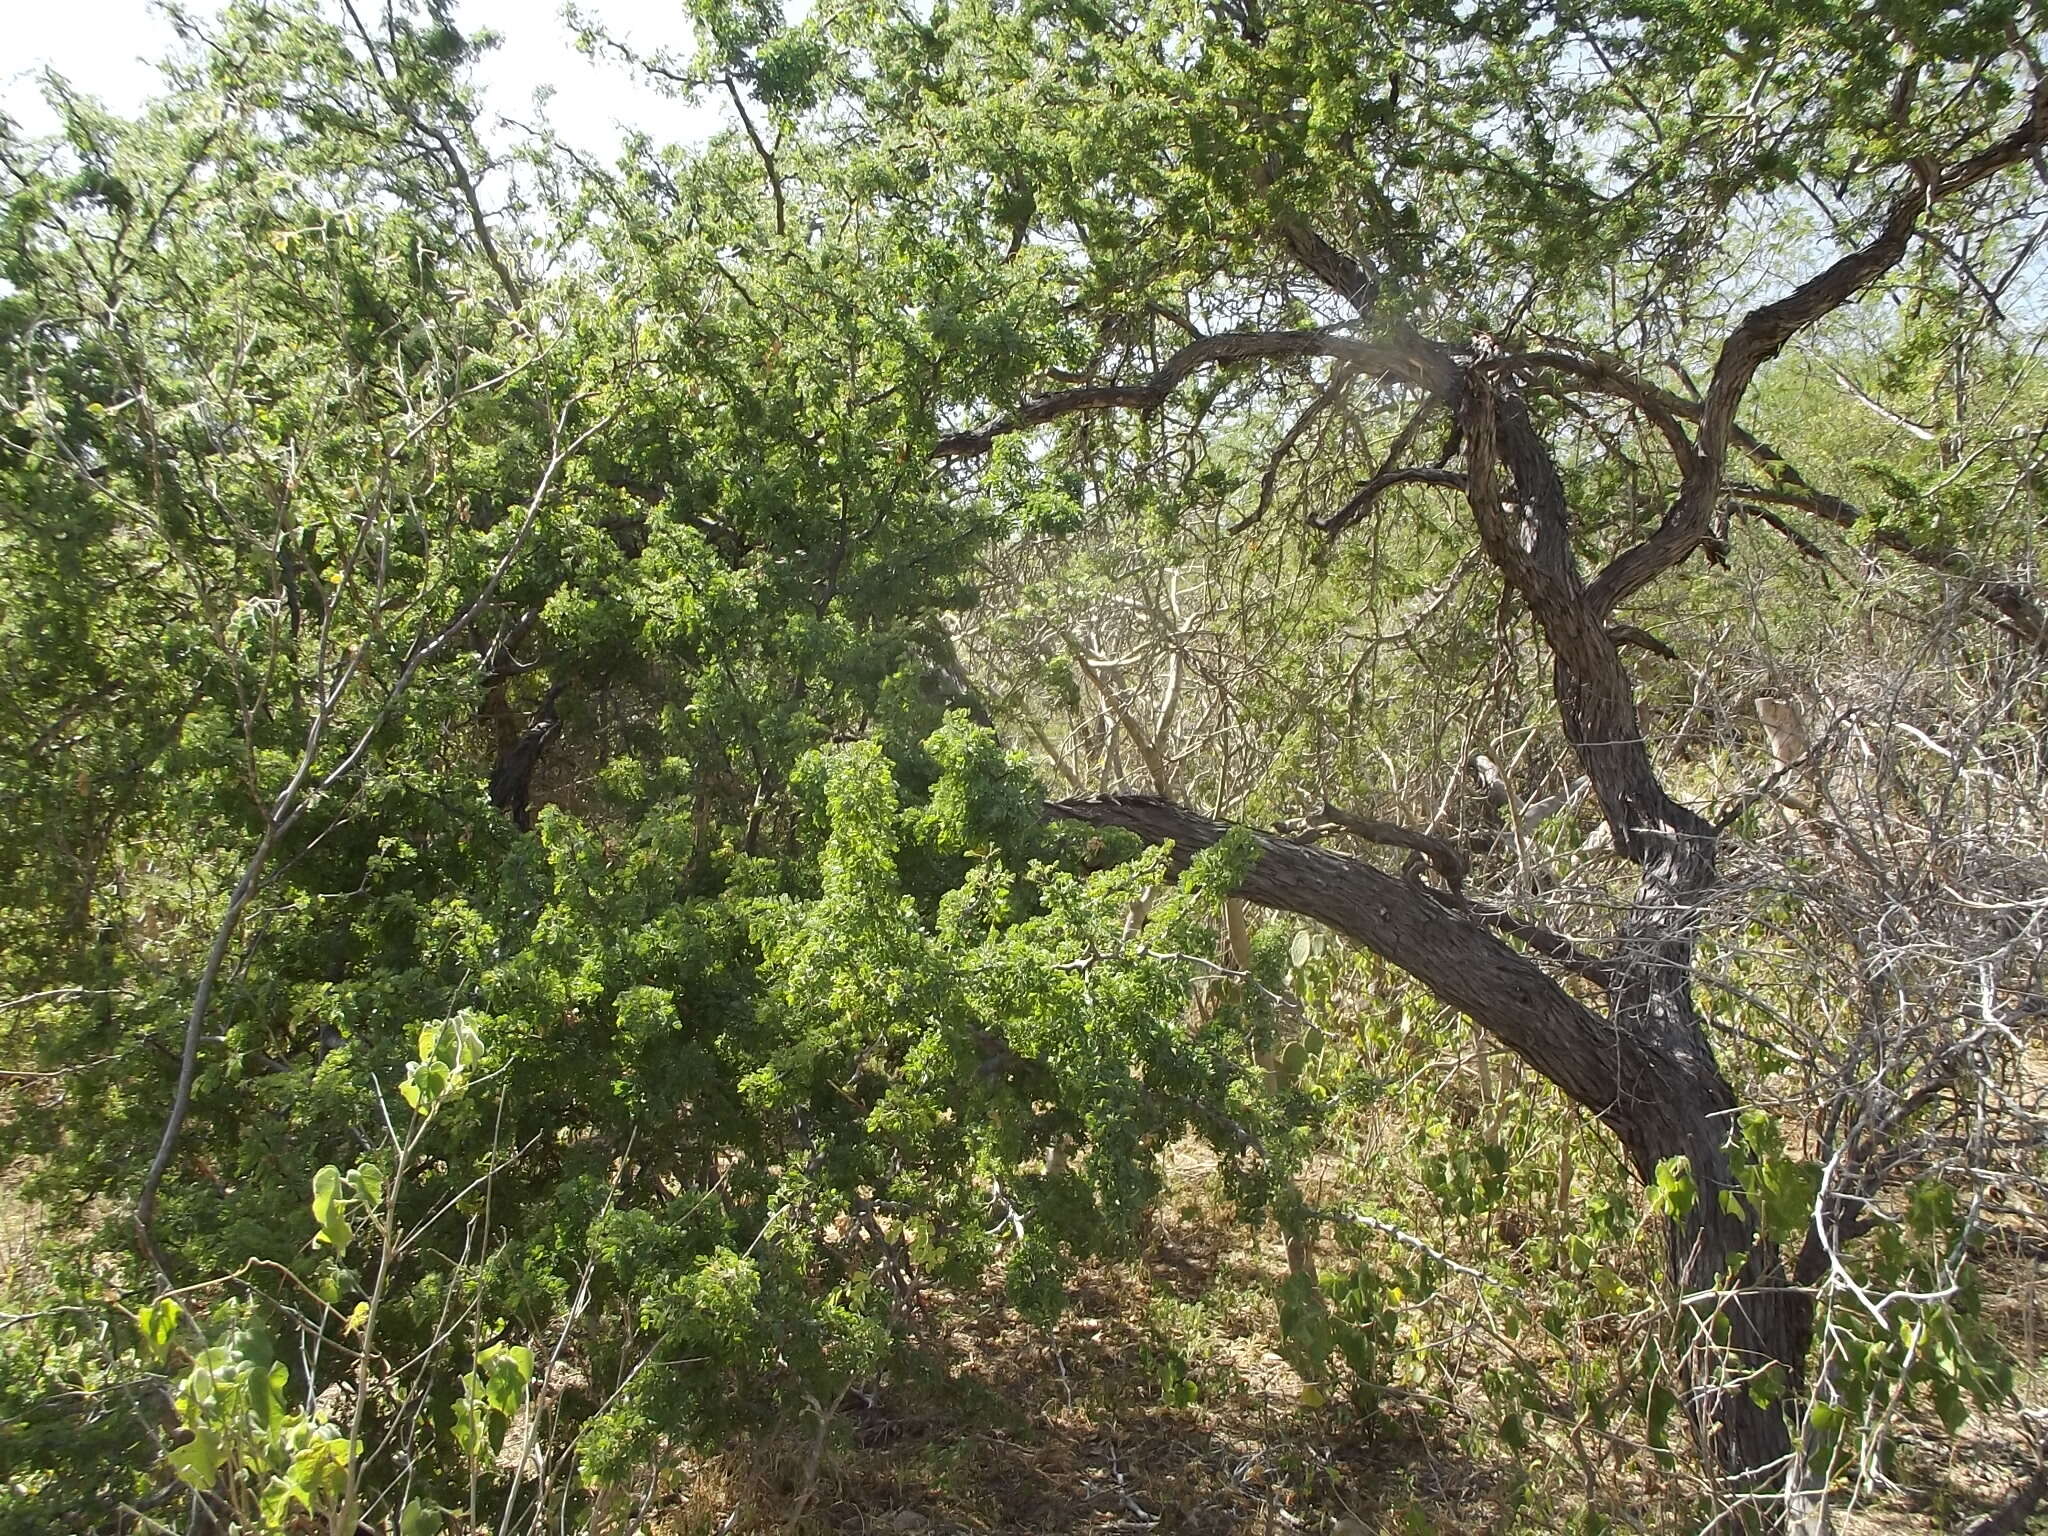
x,y
1450,862
2017,603
1799,541
1763,333
1608,1071
1553,946
1666,411
1641,639
1151,393
1453,865
767,158
499,662
1688,524
1345,275
1362,499
458,167
1518,504
478,223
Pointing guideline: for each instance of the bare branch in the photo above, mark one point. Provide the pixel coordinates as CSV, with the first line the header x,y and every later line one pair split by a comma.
x,y
1763,333
2017,603
761,149
1153,392
1366,495
1449,862
1269,482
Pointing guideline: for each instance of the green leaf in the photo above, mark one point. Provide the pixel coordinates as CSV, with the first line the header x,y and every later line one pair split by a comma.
x,y
267,1385
473,1431
506,1371
1658,1414
1789,1189
198,1461
1672,1192
157,1322
328,1210
426,1085
366,1180
1949,1403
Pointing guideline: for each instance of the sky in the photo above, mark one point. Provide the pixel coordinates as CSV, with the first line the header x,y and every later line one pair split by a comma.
x,y
105,48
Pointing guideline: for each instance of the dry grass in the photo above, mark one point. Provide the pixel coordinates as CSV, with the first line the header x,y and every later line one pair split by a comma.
x,y
1160,1404
1146,1409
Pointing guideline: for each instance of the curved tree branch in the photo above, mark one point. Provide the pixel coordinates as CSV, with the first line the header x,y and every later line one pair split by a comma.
x,y
1650,1078
1349,277
1597,1066
1665,410
2018,604
1151,393
1450,862
1763,333
1362,499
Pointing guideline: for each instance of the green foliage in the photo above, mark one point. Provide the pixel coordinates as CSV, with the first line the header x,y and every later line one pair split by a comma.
x,y
1779,1188
1673,1193
492,1394
241,1436
78,1411
772,1020
507,664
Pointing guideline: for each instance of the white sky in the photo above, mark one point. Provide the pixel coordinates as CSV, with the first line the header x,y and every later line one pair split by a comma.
x,y
106,48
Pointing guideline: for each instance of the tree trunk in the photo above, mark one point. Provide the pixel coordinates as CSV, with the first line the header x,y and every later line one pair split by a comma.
x,y
1644,1070
1645,1067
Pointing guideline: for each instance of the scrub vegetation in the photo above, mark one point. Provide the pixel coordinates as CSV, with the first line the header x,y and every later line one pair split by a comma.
x,y
1243,766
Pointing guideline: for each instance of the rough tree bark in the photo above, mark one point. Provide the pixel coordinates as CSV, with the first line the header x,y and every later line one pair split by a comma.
x,y
1643,1065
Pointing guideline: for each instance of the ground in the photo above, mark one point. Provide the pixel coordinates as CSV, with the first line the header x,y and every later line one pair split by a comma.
x,y
1160,1404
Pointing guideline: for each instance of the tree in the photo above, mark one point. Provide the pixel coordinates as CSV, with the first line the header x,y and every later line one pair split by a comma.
x,y
1461,186
510,657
